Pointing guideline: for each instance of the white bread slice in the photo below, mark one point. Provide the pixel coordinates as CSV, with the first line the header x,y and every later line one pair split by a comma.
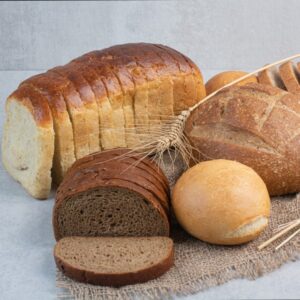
x,y
114,261
64,150
28,141
88,100
77,113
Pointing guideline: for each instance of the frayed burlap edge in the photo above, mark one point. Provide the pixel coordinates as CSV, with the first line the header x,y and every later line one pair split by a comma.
x,y
186,279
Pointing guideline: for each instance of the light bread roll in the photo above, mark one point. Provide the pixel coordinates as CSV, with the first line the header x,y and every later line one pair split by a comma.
x,y
221,202
221,79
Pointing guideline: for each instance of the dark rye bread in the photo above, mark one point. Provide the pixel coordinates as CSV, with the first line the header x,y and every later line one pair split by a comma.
x,y
125,155
114,261
257,125
128,166
111,208
122,171
97,186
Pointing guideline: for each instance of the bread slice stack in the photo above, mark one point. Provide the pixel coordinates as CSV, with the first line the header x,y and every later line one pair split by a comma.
x,y
286,77
102,100
111,220
112,193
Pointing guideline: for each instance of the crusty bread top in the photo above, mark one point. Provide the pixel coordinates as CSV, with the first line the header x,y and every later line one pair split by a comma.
x,y
36,104
257,125
220,201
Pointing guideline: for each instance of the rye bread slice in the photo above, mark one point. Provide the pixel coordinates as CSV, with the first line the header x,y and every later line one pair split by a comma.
x,y
123,171
114,261
125,155
92,206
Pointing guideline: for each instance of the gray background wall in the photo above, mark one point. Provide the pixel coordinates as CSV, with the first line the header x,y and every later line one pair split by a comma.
x,y
221,34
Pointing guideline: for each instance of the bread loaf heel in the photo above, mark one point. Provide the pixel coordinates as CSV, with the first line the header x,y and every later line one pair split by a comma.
x,y
28,141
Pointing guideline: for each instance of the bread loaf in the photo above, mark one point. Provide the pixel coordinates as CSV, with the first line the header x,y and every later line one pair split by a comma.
x,y
106,195
223,78
102,100
257,125
221,202
114,261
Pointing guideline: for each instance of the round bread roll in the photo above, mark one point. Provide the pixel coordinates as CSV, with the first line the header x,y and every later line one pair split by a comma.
x,y
221,202
224,78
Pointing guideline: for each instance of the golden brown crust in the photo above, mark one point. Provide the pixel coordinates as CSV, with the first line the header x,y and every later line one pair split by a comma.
x,y
252,129
36,103
116,279
223,78
289,77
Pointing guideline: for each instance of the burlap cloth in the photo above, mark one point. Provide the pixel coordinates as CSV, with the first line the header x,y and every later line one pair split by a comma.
x,y
198,265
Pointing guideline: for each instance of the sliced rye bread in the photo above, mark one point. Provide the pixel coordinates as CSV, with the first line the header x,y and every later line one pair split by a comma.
x,y
114,261
108,207
123,171
289,76
129,156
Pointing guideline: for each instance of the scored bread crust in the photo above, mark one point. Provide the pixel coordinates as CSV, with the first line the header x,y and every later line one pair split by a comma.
x,y
90,182
120,279
252,129
33,172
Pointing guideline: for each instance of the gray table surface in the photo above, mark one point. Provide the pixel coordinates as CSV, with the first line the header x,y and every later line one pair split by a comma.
x,y
26,242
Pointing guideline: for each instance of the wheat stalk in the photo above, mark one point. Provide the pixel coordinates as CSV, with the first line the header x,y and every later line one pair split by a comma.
x,y
284,229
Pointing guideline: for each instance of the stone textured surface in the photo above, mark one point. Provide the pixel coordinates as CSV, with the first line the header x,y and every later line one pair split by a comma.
x,y
225,34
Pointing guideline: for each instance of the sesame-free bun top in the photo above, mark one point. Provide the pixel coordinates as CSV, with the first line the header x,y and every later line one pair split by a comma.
x,y
221,202
221,79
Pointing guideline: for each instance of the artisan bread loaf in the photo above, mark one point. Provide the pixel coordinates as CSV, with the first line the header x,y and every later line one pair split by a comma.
x,y
257,125
111,98
109,197
28,141
114,261
223,78
221,202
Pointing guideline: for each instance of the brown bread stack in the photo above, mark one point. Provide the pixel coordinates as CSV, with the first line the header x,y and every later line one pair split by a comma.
x,y
105,194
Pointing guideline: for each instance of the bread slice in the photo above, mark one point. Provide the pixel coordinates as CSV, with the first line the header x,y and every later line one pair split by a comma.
x,y
88,100
114,261
107,138
133,159
271,77
186,92
289,77
28,141
64,150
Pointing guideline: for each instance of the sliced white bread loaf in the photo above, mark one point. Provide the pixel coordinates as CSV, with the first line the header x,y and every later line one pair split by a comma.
x,y
114,261
106,98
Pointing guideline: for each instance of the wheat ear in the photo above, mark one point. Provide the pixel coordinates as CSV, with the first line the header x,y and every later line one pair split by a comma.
x,y
172,133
